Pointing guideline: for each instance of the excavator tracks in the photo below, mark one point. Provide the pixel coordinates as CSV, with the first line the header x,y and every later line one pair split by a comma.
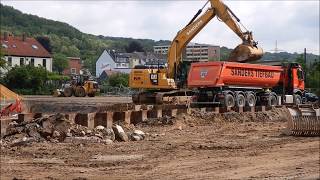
x,y
304,121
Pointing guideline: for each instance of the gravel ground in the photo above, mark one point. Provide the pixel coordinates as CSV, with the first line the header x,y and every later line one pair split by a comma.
x,y
191,147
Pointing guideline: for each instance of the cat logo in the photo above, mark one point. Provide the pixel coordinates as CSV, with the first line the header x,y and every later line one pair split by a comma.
x,y
203,73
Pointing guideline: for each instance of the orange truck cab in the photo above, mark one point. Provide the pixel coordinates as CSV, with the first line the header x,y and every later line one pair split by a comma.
x,y
245,84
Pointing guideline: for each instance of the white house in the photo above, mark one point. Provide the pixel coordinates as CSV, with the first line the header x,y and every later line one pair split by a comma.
x,y
23,51
124,62
110,60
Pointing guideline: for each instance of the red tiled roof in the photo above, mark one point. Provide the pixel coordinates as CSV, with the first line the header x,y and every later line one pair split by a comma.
x,y
15,46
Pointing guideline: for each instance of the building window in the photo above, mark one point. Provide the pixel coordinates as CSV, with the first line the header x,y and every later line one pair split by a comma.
x,y
44,63
21,61
73,70
32,62
34,46
9,61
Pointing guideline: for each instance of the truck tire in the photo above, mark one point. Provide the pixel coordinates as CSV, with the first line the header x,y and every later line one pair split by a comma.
x,y
297,99
80,92
272,100
251,99
91,94
68,92
240,100
228,101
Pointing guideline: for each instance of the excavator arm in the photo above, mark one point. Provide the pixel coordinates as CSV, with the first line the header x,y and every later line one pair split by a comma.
x,y
247,51
156,83
183,37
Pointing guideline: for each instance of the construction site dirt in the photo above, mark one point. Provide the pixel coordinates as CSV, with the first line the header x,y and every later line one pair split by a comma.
x,y
190,146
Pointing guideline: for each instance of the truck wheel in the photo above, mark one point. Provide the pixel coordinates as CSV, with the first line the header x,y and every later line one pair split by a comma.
x,y
68,92
91,94
297,99
229,101
80,92
272,100
251,100
241,101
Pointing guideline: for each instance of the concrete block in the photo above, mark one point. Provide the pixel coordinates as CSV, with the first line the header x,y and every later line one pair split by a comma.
x,y
157,113
118,117
85,119
170,112
71,117
109,119
27,117
100,119
138,116
216,110
203,110
239,109
137,107
127,117
182,111
209,109
4,123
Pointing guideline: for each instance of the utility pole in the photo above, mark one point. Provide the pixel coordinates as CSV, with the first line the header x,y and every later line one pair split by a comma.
x,y
305,57
306,65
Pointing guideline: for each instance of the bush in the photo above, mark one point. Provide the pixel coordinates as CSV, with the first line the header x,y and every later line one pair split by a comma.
x,y
118,80
30,80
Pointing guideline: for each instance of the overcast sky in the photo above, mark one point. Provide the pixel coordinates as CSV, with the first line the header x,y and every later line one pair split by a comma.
x,y
294,24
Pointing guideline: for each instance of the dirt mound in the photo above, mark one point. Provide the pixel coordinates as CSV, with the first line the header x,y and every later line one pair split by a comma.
x,y
197,118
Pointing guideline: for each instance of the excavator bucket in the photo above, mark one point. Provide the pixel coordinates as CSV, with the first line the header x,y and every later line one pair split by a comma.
x,y
245,53
304,121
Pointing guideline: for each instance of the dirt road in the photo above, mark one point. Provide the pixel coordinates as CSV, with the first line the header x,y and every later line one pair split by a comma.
x,y
190,149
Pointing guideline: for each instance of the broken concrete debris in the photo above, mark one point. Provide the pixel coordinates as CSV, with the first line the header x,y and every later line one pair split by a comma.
x,y
120,135
56,128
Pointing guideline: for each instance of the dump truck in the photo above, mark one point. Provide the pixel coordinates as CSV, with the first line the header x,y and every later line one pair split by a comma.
x,y
240,84
231,84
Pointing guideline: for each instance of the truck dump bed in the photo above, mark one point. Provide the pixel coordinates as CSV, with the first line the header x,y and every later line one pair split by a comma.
x,y
220,73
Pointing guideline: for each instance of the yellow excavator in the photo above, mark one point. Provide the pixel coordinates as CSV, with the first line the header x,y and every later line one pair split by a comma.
x,y
159,84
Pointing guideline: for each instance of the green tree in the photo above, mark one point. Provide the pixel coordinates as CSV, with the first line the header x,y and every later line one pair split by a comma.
x,y
27,79
60,62
119,79
2,61
45,42
134,46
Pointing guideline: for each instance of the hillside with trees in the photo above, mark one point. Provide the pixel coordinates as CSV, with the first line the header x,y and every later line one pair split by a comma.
x,y
63,40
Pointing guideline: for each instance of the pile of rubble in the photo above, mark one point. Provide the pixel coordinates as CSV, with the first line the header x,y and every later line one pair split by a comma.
x,y
56,128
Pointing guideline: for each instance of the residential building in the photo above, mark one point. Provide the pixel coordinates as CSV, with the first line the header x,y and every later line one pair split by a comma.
x,y
74,66
25,51
202,52
106,74
161,49
194,52
124,62
110,60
